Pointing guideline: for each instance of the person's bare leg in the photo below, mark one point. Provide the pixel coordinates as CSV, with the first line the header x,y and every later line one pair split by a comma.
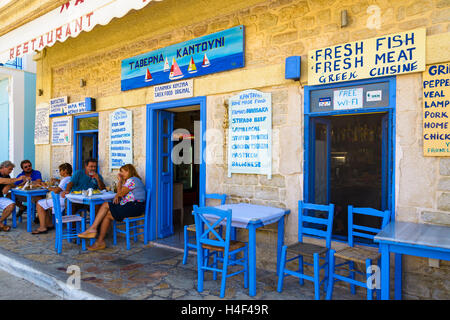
x,y
42,217
104,227
48,219
102,212
6,213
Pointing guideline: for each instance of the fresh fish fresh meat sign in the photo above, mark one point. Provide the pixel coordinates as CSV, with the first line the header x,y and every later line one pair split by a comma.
x,y
217,52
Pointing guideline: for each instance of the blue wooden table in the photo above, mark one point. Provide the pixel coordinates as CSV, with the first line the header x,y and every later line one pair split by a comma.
x,y
421,240
91,201
252,217
29,194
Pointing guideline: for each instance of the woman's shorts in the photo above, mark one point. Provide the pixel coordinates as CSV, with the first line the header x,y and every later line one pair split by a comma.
x,y
128,210
5,202
48,204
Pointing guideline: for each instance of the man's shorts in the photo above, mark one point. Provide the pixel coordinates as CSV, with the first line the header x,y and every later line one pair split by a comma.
x,y
5,202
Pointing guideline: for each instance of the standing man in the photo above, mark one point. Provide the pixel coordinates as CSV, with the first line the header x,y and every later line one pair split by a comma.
x,y
6,183
85,178
32,175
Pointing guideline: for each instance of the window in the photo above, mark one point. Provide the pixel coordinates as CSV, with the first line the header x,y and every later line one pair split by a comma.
x,y
15,64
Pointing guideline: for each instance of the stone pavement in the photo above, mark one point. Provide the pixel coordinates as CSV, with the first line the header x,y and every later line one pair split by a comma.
x,y
14,288
144,272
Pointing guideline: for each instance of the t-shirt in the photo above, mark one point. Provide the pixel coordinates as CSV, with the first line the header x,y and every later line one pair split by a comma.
x,y
35,175
137,191
81,181
3,185
64,182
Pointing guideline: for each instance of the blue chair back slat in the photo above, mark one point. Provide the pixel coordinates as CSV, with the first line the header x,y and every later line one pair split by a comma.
x,y
218,196
205,233
370,231
325,223
57,207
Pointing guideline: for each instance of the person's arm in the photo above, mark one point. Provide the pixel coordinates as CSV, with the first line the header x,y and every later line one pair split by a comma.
x,y
121,191
9,181
68,189
100,183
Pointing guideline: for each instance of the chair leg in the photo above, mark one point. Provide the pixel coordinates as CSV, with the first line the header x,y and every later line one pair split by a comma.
x,y
186,247
351,266
301,281
224,275
200,270
331,260
83,229
127,226
114,233
368,275
135,230
316,277
246,268
282,266
215,265
378,284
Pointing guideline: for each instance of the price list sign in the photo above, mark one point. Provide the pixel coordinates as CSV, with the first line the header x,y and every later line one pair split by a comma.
x,y
436,110
250,133
121,146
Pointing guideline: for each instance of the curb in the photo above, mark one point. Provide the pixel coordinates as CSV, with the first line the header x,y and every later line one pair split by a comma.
x,y
40,275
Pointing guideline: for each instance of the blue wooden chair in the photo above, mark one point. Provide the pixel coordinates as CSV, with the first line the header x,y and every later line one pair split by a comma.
x,y
211,243
134,226
191,228
352,255
69,232
309,225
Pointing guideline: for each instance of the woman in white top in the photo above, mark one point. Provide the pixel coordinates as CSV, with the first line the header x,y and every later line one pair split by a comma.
x,y
43,206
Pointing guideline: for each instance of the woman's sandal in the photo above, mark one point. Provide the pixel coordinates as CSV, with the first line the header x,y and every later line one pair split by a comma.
x,y
90,235
37,231
4,228
95,247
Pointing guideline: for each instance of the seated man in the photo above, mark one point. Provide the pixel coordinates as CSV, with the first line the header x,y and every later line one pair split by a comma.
x,y
85,178
43,206
34,176
7,206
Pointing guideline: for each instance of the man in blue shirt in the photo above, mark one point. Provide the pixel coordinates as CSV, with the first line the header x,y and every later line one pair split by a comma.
x,y
85,178
32,175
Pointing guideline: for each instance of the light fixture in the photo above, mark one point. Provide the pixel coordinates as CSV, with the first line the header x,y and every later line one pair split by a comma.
x,y
344,18
82,83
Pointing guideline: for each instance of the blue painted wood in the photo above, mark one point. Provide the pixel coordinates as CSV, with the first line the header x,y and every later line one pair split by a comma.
x,y
77,140
134,226
304,218
207,235
151,152
29,194
69,233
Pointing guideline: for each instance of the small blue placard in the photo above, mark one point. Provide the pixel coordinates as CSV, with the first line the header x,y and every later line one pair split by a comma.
x,y
217,52
87,105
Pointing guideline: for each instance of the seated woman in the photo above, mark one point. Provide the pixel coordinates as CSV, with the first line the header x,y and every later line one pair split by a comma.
x,y
128,202
43,206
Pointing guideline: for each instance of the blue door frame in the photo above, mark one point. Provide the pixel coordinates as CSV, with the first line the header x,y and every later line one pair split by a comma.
x,y
77,141
388,144
151,177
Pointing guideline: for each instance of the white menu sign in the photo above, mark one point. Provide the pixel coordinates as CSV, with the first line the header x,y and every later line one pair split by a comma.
x,y
62,131
58,106
121,138
42,124
250,133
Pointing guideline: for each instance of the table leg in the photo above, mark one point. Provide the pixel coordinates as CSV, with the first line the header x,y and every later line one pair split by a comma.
x,y
252,259
29,213
280,242
91,218
14,218
385,271
398,276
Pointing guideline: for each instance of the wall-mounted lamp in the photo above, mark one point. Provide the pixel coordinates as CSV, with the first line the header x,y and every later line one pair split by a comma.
x,y
40,92
344,18
82,83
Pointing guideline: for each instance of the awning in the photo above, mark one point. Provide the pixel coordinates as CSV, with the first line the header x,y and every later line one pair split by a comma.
x,y
67,21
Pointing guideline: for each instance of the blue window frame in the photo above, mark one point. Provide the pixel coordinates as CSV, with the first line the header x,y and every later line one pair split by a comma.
x,y
14,63
151,176
388,145
79,136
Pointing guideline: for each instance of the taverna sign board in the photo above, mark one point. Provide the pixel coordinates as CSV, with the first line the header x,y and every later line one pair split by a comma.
x,y
382,56
250,133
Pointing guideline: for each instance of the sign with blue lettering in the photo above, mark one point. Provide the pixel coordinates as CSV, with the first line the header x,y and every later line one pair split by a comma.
x,y
348,99
121,138
62,131
82,106
250,133
376,57
217,52
58,106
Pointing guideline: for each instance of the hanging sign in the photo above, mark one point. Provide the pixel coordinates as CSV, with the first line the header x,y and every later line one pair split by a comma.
x,y
58,106
175,90
121,138
212,53
250,133
42,125
376,57
62,131
436,110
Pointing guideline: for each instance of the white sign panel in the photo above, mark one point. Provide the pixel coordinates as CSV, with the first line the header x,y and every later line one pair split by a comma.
x,y
121,138
376,95
348,99
250,133
174,90
62,131
42,124
58,105
76,107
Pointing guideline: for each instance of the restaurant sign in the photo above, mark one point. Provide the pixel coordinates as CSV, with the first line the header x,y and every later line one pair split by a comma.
x,y
382,56
250,133
217,52
436,110
121,138
58,106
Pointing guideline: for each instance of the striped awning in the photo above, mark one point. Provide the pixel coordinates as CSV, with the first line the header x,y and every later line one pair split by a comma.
x,y
60,24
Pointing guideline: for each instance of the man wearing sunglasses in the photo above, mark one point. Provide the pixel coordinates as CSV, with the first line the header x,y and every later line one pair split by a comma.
x,y
30,175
